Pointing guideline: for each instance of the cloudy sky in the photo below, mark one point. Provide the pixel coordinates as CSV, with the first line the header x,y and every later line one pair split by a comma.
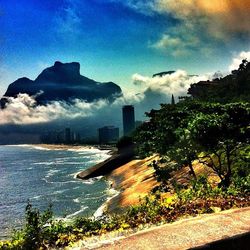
x,y
124,41
115,39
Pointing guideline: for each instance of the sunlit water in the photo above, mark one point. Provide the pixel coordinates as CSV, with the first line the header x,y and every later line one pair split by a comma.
x,y
47,176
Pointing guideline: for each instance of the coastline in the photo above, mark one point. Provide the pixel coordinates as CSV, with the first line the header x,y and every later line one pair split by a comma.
x,y
129,179
62,146
129,183
133,181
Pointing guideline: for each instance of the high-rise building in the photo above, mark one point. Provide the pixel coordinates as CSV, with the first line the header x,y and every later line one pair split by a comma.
x,y
108,134
128,115
67,136
172,100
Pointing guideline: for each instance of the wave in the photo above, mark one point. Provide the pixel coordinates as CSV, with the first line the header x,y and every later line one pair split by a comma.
x,y
77,200
41,148
17,145
37,197
59,191
95,197
83,208
90,181
51,172
100,211
85,149
47,163
59,182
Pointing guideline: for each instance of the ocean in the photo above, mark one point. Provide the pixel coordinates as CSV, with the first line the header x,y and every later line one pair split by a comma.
x,y
46,176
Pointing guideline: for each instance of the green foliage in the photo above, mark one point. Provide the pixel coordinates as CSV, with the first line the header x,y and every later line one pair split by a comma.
x,y
184,130
163,170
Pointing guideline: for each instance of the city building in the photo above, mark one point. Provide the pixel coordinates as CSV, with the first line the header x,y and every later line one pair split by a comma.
x,y
128,115
67,136
108,134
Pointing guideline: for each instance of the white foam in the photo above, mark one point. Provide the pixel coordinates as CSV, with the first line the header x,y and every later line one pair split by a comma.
x,y
37,197
51,172
41,148
59,182
83,208
99,212
60,191
77,200
18,145
83,149
47,163
92,180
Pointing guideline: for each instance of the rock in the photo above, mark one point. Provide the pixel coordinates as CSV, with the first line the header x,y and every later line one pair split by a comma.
x,y
62,82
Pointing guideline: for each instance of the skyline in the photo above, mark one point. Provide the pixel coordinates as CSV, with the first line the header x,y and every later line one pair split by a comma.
x,y
118,40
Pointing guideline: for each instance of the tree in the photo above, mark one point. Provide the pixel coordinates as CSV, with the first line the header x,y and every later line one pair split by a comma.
x,y
221,137
184,130
184,151
166,133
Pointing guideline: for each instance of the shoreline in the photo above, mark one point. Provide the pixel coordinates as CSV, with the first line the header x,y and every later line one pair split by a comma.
x,y
116,159
64,146
133,181
128,184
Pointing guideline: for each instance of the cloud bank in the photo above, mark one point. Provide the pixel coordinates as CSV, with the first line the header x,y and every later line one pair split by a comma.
x,y
176,83
200,24
24,110
221,17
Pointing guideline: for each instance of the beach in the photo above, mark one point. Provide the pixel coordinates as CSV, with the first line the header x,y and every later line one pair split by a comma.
x,y
130,179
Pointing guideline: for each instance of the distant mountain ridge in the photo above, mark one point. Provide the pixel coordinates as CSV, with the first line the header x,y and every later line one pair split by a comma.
x,y
161,74
62,82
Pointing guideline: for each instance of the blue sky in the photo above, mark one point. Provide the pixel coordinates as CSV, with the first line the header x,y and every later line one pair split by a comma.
x,y
114,39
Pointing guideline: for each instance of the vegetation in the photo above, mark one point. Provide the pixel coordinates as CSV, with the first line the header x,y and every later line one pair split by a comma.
x,y
216,134
231,88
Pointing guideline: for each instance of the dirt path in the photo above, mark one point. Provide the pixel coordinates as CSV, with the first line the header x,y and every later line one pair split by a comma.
x,y
190,233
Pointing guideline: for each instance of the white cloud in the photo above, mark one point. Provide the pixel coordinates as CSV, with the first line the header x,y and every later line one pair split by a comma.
x,y
176,83
178,43
237,60
201,26
220,17
24,110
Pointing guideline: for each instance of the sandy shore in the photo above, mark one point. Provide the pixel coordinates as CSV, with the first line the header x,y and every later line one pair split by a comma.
x,y
63,146
134,181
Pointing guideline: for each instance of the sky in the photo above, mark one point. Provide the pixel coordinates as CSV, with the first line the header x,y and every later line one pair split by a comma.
x,y
115,39
124,41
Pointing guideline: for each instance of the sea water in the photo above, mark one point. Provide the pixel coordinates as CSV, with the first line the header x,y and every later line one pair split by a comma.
x,y
45,177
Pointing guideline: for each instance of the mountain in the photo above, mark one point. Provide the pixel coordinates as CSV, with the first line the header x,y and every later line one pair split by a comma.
x,y
231,88
161,74
62,82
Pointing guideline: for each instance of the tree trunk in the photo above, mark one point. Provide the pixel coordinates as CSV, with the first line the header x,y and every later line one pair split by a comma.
x,y
227,179
192,170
